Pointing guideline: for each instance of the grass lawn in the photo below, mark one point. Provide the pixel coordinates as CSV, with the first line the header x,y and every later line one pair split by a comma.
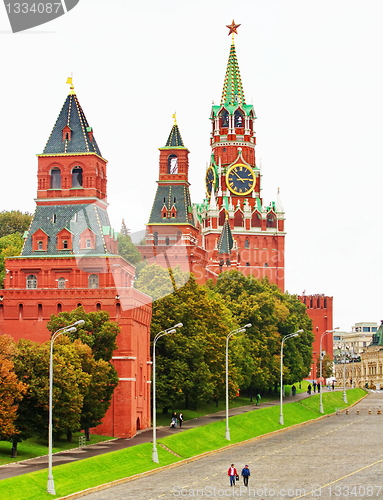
x,y
37,447
124,463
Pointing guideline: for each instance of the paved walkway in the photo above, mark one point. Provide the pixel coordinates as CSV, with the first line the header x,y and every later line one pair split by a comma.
x,y
23,467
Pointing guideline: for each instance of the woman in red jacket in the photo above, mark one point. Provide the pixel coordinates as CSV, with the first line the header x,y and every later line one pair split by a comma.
x,y
232,473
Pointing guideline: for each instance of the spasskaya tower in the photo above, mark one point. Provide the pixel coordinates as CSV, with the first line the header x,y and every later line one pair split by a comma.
x,y
237,229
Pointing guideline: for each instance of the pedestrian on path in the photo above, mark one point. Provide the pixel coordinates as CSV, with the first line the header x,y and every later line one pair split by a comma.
x,y
232,473
245,474
181,419
309,389
257,399
318,387
293,390
314,385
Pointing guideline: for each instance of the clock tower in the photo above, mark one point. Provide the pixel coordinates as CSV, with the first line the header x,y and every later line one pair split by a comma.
x,y
233,210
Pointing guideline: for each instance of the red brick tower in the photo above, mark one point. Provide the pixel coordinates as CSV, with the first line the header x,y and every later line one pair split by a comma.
x,y
70,259
172,235
233,187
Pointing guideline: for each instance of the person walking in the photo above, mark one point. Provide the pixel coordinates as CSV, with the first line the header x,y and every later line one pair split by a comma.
x,y
232,473
309,389
245,474
293,390
180,419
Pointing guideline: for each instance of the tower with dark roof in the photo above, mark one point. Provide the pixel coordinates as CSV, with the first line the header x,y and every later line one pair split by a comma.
x,y
70,259
172,236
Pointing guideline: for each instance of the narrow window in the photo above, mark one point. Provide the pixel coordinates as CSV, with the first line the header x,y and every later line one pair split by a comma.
x,y
247,244
167,241
59,308
65,244
20,311
31,281
224,118
93,281
173,164
98,306
88,243
271,220
118,310
40,245
55,178
77,177
256,220
155,238
61,283
39,312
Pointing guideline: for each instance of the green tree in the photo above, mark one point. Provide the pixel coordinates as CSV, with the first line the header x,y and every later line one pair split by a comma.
x,y
98,393
98,332
126,248
14,222
327,367
11,389
272,314
191,363
69,385
10,246
157,282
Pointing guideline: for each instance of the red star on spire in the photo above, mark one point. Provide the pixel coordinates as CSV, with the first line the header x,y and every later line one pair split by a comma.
x,y
233,28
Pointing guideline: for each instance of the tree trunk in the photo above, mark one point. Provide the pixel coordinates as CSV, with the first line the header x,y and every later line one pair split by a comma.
x,y
14,448
69,435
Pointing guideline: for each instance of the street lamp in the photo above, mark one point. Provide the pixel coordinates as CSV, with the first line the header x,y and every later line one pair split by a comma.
x,y
344,396
238,330
289,336
61,331
320,366
159,335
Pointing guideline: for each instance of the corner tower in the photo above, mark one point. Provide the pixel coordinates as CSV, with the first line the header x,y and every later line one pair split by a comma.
x,y
233,189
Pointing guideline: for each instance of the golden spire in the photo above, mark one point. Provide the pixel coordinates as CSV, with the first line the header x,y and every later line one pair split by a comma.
x,y
174,116
69,81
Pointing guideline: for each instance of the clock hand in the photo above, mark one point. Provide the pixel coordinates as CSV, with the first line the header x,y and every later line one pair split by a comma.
x,y
240,178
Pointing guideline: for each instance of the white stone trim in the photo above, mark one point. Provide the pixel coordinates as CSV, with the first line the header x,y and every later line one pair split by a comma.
x,y
124,357
127,379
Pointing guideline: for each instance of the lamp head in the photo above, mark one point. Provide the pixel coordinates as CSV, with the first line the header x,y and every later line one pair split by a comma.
x,y
172,331
178,325
247,326
69,330
79,322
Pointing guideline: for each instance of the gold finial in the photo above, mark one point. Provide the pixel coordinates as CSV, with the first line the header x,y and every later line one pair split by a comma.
x,y
174,116
69,81
232,29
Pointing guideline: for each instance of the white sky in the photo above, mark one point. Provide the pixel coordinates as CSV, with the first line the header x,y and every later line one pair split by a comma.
x,y
313,70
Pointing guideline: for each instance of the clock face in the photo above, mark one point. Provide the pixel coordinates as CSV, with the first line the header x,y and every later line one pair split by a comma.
x,y
210,180
240,179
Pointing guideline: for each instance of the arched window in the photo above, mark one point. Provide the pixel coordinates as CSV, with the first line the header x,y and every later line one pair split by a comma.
x,y
21,311
61,283
222,217
98,306
173,164
271,220
256,219
40,245
88,243
55,178
93,281
59,308
238,219
238,119
224,118
65,244
39,312
155,238
77,177
31,281
247,243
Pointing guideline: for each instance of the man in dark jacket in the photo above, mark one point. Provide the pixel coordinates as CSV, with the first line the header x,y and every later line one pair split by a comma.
x,y
245,474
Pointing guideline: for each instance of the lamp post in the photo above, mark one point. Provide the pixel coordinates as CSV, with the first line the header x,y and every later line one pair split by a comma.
x,y
320,367
56,334
344,396
238,330
289,336
159,335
